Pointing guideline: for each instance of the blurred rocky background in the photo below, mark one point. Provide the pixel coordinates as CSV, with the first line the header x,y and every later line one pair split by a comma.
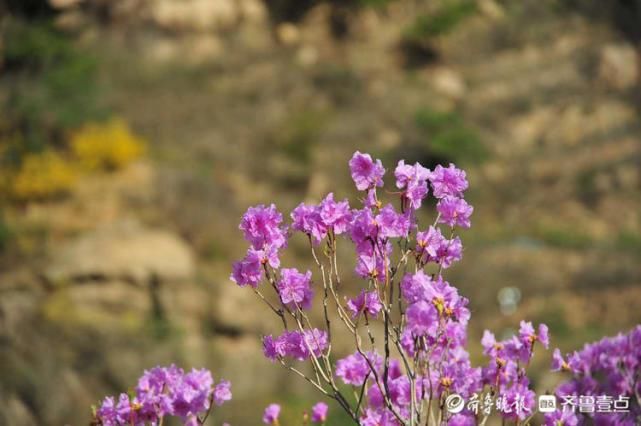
x,y
134,133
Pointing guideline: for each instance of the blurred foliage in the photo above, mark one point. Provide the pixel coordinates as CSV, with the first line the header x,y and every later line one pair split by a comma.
x,y
297,137
339,82
50,85
109,145
294,141
629,241
6,233
564,237
448,136
374,3
49,91
441,22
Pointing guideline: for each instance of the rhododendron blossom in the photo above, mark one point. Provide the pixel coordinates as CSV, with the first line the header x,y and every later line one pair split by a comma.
x,y
402,359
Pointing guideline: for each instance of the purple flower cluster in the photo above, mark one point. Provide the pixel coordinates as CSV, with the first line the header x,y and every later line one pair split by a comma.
x,y
296,344
366,302
356,368
263,228
425,318
366,173
506,369
317,220
448,186
610,367
412,180
162,392
432,246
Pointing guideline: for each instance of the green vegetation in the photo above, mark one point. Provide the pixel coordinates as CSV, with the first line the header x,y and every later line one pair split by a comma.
x,y
443,21
448,136
374,3
6,234
50,95
298,135
629,241
564,237
50,85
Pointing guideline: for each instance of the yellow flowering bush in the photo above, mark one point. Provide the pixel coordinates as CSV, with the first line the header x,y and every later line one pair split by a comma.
x,y
41,175
110,145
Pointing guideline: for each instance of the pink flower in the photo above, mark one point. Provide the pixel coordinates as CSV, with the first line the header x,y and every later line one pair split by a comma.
x,y
365,172
270,416
319,412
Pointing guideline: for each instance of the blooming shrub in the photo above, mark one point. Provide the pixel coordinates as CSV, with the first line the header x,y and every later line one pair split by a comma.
x,y
408,375
417,371
110,145
605,374
41,175
163,392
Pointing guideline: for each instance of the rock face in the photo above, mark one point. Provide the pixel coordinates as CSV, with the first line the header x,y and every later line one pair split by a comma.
x,y
126,252
619,66
200,15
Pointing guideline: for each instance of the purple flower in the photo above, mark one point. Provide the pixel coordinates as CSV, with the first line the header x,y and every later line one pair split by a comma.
x,y
363,228
561,418
296,345
308,219
191,395
335,215
294,288
124,411
316,340
367,302
269,348
490,346
448,181
392,224
165,391
415,287
365,172
378,417
558,363
371,265
517,401
262,227
270,416
449,252
432,246
319,412
528,336
249,270
454,212
371,200
413,181
610,366
428,243
222,392
462,420
106,413
354,369
544,335
422,318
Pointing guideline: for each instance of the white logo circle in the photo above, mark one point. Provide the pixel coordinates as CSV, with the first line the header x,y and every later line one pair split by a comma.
x,y
454,403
